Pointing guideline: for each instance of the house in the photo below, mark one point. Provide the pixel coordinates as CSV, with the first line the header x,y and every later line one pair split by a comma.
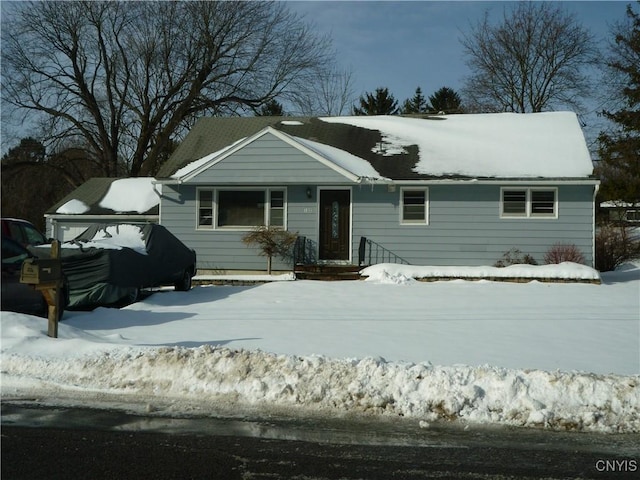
x,y
625,213
429,190
104,201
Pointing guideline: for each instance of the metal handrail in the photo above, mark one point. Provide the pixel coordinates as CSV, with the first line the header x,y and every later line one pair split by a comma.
x,y
374,253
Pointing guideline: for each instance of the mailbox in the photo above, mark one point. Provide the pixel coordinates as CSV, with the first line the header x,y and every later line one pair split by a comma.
x,y
36,271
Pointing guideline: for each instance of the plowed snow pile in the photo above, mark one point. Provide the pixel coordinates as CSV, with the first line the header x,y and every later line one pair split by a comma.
x,y
477,352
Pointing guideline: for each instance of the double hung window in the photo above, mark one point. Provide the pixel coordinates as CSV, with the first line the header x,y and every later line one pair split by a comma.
x,y
414,206
529,203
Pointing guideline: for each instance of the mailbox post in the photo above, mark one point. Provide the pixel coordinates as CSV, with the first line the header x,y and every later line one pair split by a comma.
x,y
46,275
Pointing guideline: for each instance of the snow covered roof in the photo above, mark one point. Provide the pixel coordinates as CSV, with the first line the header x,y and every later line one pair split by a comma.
x,y
469,146
486,145
110,196
619,204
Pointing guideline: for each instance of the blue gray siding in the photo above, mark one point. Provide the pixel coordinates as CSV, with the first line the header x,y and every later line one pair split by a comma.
x,y
464,227
268,160
223,249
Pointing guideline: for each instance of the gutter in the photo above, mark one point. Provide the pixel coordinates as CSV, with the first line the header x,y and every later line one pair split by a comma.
x,y
593,226
168,181
83,217
500,181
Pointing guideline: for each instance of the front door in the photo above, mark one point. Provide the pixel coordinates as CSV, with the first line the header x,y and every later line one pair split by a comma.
x,y
335,223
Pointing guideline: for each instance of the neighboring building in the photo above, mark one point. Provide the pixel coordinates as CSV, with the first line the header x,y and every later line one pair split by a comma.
x,y
432,190
622,212
105,201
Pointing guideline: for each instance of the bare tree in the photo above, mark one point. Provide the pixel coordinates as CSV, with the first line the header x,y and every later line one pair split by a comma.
x,y
535,59
126,78
330,93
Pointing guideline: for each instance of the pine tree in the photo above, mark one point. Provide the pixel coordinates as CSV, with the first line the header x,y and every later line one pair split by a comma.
x,y
380,103
416,104
271,109
619,151
446,100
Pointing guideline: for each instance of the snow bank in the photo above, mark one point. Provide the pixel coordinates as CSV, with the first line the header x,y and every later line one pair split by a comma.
x,y
476,352
219,376
395,273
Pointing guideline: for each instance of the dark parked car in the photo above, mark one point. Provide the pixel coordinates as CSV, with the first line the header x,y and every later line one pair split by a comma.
x,y
23,232
19,297
108,265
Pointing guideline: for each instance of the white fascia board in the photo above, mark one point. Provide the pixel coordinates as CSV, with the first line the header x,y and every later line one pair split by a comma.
x,y
316,156
80,216
282,136
501,181
222,156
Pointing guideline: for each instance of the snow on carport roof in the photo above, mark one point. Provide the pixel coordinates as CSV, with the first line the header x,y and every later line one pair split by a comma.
x,y
549,144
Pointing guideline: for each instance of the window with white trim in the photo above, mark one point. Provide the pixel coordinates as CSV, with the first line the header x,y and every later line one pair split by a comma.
x,y
528,202
205,208
241,208
414,206
632,215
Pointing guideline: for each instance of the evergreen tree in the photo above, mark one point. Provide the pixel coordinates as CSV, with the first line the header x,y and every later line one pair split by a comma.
x,y
619,166
29,150
380,103
446,100
271,109
416,104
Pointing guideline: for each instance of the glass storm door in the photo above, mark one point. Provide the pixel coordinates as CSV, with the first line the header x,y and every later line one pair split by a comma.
x,y
335,224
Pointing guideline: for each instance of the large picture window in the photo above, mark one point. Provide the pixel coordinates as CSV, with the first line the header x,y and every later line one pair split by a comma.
x,y
414,206
529,203
241,208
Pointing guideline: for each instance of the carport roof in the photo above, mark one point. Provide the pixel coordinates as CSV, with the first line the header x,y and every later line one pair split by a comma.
x,y
91,193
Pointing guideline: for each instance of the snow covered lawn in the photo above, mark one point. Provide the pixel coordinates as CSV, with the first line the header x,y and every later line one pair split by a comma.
x,y
533,354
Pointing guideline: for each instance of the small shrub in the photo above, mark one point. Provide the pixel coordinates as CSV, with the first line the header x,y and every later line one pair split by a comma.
x,y
272,242
563,252
515,257
615,245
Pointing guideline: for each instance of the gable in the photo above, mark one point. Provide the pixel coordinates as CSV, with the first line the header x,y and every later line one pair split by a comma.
x,y
212,134
269,159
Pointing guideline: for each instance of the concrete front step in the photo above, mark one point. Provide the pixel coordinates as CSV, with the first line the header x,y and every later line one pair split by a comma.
x,y
328,272
327,276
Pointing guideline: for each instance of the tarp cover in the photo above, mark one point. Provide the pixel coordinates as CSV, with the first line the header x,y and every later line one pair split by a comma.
x,y
106,263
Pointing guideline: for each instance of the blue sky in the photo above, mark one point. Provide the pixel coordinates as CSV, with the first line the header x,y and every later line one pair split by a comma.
x,y
403,45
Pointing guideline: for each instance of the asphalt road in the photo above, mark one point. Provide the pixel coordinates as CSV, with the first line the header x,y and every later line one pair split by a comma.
x,y
240,449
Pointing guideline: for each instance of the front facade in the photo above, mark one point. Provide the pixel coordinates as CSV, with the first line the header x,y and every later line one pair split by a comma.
x,y
366,205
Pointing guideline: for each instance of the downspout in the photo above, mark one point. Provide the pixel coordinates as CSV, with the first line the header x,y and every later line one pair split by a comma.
x,y
596,188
